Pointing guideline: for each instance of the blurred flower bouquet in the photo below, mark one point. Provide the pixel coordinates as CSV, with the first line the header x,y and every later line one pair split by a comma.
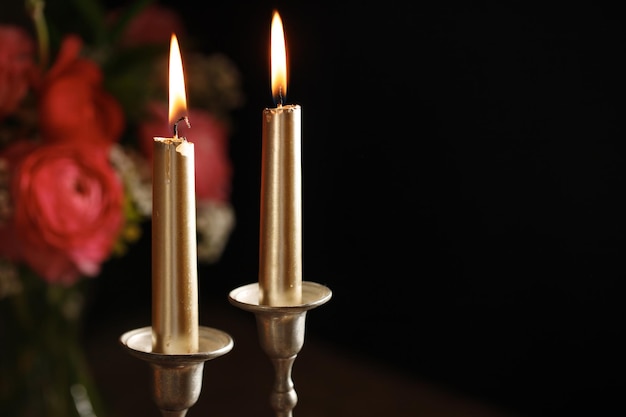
x,y
83,90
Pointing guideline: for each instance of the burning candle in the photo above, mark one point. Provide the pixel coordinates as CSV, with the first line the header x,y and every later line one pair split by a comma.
x,y
280,254
174,247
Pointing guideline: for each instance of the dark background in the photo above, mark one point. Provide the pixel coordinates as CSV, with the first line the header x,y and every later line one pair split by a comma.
x,y
463,183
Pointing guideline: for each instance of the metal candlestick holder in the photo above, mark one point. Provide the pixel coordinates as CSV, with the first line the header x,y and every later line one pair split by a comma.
x,y
177,378
281,335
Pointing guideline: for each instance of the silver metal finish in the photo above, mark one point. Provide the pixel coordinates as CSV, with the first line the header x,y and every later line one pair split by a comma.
x,y
177,378
281,335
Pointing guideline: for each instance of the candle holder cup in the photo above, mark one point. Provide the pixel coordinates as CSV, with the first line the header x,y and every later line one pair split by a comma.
x,y
177,378
281,335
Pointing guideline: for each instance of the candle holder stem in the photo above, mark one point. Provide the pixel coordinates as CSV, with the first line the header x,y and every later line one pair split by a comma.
x,y
176,378
283,398
281,335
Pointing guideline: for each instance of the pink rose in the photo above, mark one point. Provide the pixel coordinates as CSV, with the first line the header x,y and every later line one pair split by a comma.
x,y
73,104
154,25
66,209
210,139
213,166
17,67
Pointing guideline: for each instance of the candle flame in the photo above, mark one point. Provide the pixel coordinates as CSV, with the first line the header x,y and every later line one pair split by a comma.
x,y
177,97
279,60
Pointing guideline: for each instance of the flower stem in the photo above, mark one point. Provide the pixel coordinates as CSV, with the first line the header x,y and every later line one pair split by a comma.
x,y
35,10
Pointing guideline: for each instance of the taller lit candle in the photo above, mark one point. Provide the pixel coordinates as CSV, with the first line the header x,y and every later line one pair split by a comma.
x,y
280,253
174,246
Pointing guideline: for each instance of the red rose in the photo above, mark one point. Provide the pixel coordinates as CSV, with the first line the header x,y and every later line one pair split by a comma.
x,y
73,105
66,209
210,138
17,67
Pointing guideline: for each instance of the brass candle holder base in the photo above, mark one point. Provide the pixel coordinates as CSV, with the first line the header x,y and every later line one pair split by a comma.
x,y
177,378
281,334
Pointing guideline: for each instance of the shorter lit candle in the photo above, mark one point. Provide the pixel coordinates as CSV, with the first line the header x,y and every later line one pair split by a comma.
x,y
280,254
174,246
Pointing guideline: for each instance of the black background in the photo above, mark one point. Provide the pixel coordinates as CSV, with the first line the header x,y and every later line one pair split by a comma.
x,y
464,176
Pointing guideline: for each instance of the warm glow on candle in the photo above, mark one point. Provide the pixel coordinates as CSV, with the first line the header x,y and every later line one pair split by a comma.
x,y
279,61
178,99
174,250
280,251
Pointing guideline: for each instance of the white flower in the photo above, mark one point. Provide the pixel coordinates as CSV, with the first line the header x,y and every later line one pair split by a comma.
x,y
215,221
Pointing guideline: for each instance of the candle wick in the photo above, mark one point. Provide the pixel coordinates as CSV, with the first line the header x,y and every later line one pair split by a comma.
x,y
279,99
186,119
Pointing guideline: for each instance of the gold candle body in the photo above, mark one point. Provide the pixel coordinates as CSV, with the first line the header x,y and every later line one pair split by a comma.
x,y
174,248
280,257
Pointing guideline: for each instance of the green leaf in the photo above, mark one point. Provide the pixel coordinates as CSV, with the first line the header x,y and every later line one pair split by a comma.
x,y
94,15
